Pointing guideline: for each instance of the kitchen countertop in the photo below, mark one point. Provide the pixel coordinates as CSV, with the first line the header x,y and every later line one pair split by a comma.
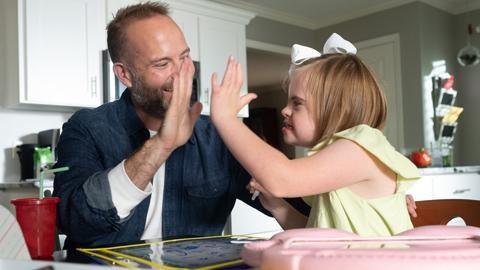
x,y
17,184
423,171
450,170
48,183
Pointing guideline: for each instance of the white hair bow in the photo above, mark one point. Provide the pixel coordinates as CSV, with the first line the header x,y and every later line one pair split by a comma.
x,y
334,44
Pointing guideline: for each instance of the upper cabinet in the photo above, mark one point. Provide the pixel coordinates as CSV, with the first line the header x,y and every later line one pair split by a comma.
x,y
214,32
219,40
114,5
53,52
188,22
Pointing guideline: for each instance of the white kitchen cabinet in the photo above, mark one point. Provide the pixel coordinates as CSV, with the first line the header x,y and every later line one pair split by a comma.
x,y
457,186
422,190
52,52
114,5
188,22
448,183
213,32
219,40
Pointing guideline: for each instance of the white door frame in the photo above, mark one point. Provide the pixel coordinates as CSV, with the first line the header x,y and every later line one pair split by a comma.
x,y
395,39
274,48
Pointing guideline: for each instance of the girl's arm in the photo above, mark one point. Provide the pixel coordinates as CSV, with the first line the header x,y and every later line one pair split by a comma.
x,y
340,164
286,215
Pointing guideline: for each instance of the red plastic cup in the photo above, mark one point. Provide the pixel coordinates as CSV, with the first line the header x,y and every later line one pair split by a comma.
x,y
37,219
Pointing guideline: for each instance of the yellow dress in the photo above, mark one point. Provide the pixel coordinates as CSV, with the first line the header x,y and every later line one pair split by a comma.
x,y
343,209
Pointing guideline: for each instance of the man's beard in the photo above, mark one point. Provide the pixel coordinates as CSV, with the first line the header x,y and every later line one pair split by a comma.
x,y
149,99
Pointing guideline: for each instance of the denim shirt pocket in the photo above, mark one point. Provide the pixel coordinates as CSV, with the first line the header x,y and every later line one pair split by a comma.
x,y
212,187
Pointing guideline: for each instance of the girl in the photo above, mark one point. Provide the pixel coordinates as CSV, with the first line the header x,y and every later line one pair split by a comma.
x,y
337,108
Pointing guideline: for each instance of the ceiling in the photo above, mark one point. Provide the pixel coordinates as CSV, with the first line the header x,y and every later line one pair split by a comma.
x,y
267,70
314,14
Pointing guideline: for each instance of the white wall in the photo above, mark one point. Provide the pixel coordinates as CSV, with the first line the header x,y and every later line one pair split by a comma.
x,y
468,86
22,126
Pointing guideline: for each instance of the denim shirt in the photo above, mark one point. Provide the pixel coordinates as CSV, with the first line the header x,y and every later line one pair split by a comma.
x,y
202,179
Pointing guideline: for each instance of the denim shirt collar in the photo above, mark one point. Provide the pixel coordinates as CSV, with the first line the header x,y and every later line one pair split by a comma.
x,y
127,114
129,118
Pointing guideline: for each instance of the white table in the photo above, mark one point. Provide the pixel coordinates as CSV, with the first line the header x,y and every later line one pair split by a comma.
x,y
44,265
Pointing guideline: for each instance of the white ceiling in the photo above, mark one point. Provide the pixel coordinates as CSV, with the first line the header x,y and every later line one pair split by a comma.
x,y
314,14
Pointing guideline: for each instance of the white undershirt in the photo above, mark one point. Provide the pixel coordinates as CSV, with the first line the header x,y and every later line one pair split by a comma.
x,y
126,196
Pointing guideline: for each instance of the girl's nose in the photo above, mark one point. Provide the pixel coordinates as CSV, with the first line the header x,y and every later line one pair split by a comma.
x,y
285,112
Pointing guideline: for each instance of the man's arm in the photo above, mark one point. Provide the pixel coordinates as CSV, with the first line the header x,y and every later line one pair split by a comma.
x,y
85,212
175,130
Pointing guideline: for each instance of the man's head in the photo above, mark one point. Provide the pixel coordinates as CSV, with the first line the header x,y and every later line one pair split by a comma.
x,y
147,49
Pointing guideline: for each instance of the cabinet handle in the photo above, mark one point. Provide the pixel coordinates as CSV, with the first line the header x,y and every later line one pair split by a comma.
x,y
93,86
206,96
460,191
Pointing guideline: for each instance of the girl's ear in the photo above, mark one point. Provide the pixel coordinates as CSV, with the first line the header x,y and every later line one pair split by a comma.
x,y
123,74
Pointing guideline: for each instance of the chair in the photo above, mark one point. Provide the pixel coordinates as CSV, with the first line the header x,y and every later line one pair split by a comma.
x,y
12,243
440,212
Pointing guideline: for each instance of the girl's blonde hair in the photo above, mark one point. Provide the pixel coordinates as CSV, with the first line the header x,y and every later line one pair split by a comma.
x,y
343,93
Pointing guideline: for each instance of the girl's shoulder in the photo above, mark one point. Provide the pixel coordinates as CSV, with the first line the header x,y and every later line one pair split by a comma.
x,y
362,133
369,138
374,141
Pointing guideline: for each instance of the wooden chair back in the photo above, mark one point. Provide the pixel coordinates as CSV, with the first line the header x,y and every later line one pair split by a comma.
x,y
440,212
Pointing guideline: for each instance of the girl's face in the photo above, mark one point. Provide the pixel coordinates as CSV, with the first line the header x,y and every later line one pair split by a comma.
x,y
298,124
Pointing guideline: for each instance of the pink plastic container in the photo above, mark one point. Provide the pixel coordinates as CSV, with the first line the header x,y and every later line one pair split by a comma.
x,y
37,219
430,247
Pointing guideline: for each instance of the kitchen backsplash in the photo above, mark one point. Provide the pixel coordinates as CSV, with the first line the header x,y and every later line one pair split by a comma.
x,y
22,126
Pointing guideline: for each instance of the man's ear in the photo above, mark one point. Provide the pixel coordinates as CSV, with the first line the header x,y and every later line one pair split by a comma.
x,y
123,74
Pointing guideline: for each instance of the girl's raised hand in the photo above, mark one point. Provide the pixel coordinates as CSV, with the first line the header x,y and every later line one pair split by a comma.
x,y
226,101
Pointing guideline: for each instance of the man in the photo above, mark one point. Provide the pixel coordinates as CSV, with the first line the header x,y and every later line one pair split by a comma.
x,y
147,165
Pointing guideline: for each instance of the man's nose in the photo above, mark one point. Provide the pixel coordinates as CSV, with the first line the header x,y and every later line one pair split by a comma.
x,y
174,69
176,66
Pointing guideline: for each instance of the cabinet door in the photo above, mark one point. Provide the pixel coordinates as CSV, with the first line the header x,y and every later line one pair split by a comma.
x,y
218,40
114,5
63,42
188,22
457,186
422,190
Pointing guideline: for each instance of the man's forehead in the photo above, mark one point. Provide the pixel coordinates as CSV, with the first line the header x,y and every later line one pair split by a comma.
x,y
155,34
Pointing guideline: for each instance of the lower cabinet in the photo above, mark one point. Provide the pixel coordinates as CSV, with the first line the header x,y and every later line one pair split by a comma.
x,y
455,185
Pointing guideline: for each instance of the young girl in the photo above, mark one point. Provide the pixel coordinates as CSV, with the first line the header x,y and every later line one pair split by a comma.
x,y
337,108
